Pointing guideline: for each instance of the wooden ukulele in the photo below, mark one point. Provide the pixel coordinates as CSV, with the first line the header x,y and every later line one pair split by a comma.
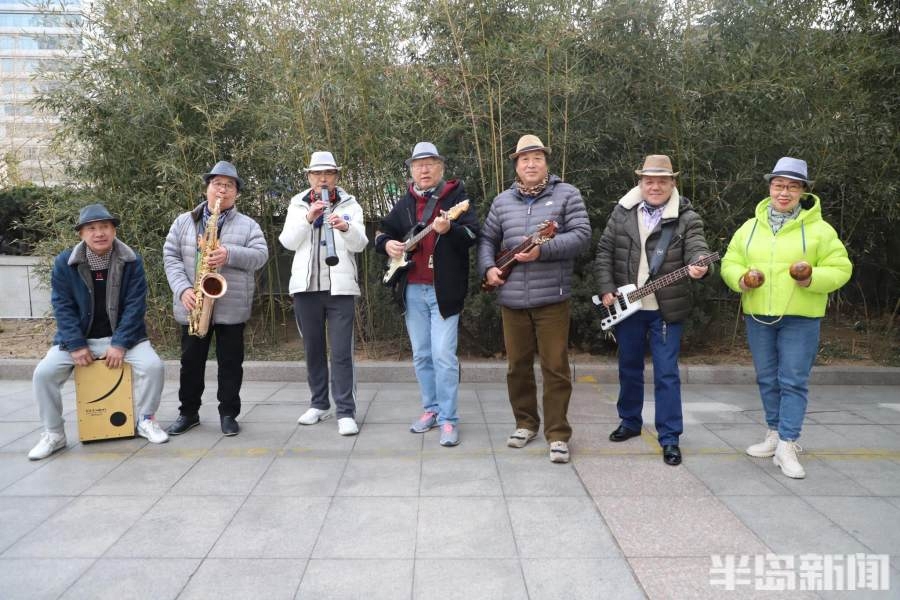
x,y
506,259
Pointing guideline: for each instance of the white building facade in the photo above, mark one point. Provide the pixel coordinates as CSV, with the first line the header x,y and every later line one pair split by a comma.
x,y
36,37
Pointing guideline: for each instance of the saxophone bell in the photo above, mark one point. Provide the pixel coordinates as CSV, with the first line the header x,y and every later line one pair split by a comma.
x,y
213,285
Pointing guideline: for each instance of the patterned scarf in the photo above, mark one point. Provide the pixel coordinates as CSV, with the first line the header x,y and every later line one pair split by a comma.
x,y
95,261
532,190
651,215
207,213
777,219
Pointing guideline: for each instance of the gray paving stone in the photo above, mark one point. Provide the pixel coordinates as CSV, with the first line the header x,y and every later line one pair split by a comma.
x,y
872,437
877,476
789,525
821,478
529,472
835,417
358,578
635,476
369,528
301,475
222,475
273,527
142,475
12,431
457,475
133,579
322,439
873,521
259,438
84,528
25,443
580,579
676,526
272,579
381,476
383,439
15,466
19,515
455,579
400,411
199,521
464,528
736,475
39,578
593,440
690,577
560,528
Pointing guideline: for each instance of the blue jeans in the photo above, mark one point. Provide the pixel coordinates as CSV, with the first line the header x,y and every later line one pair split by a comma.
x,y
783,354
433,340
632,334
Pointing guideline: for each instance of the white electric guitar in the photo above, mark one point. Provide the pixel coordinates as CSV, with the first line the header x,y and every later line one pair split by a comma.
x,y
395,266
628,297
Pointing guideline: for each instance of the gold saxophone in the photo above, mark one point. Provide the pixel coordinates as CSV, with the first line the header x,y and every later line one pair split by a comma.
x,y
208,284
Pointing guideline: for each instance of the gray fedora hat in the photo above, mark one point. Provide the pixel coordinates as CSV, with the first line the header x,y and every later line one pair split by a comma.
x,y
791,168
424,150
223,167
93,213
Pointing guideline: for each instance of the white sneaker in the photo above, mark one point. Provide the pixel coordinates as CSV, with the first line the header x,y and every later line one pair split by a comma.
x,y
150,429
347,426
48,444
559,452
766,448
313,416
786,458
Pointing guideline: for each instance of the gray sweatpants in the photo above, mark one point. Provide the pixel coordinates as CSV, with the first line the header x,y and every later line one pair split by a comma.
x,y
313,311
54,369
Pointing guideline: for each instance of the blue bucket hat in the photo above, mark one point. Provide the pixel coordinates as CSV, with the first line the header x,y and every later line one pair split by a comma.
x,y
93,213
223,167
424,150
791,168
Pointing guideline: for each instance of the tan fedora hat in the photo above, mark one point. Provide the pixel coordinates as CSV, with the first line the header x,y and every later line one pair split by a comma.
x,y
527,143
657,165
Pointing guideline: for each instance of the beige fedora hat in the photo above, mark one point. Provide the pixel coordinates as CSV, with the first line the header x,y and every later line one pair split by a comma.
x,y
527,143
657,165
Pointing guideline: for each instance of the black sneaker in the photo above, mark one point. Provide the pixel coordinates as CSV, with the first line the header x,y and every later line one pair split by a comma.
x,y
182,424
230,425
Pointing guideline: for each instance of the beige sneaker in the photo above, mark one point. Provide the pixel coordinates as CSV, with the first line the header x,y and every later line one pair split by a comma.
x,y
786,459
765,448
520,437
559,452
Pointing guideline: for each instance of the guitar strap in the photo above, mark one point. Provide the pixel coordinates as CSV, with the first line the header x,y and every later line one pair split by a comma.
x,y
429,209
662,246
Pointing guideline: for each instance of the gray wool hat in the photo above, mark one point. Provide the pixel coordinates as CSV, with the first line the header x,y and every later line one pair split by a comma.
x,y
223,167
93,213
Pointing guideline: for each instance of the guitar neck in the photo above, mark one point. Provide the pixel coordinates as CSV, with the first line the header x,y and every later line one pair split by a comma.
x,y
419,236
670,278
509,256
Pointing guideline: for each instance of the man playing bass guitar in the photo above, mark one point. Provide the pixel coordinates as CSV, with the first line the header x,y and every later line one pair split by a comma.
x,y
652,232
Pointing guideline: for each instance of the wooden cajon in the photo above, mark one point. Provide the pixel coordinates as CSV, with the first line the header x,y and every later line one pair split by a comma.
x,y
103,401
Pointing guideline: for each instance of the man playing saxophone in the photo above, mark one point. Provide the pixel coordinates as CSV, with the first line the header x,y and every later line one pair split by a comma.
x,y
237,253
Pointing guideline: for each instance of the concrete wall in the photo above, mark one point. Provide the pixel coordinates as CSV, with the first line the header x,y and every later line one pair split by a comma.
x,y
22,293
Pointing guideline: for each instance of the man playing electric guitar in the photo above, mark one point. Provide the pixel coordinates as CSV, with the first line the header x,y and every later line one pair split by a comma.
x,y
432,290
652,231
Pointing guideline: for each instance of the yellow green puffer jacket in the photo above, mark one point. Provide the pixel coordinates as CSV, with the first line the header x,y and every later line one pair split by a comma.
x,y
809,238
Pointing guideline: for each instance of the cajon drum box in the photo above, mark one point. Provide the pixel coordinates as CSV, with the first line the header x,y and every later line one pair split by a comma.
x,y
103,401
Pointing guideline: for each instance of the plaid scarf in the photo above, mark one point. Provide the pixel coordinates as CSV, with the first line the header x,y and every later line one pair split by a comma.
x,y
95,261
207,213
532,190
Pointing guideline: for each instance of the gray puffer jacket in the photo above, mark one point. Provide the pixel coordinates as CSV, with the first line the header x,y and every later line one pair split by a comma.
x,y
511,218
619,251
247,253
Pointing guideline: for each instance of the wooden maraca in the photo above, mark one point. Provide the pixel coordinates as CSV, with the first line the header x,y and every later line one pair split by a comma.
x,y
753,279
801,270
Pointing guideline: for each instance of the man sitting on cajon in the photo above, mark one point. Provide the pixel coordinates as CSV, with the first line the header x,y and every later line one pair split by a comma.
x,y
99,297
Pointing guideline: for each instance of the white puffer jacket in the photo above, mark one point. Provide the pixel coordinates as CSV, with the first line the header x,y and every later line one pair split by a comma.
x,y
302,238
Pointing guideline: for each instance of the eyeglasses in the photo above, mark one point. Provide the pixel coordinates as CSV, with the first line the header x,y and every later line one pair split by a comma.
x,y
228,185
323,173
419,165
793,188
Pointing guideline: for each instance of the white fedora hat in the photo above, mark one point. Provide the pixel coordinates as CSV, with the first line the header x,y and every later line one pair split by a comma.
x,y
322,161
